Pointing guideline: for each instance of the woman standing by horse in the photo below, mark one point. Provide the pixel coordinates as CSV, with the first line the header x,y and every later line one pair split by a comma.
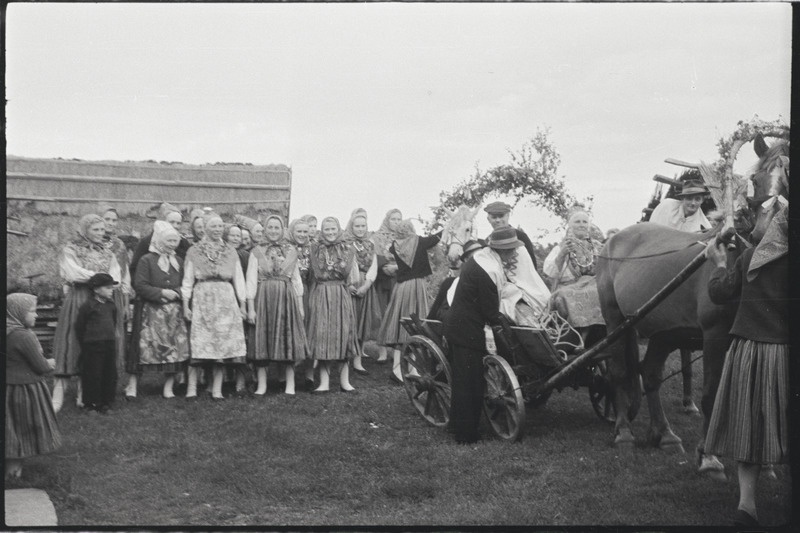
x,y
368,308
750,419
81,259
275,305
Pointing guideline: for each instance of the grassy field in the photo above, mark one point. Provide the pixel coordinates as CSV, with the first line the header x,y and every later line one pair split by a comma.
x,y
369,459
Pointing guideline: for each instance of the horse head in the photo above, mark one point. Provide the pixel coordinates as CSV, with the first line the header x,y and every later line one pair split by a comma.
x,y
769,181
458,230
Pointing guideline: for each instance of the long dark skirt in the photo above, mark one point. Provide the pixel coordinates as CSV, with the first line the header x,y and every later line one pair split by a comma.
x,y
750,421
331,322
31,426
407,297
279,332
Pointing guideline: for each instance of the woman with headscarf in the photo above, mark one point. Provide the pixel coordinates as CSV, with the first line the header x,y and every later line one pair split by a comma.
x,y
368,309
409,294
331,322
80,259
298,235
123,292
167,213
253,227
31,427
275,305
232,234
387,266
571,264
214,300
159,340
751,421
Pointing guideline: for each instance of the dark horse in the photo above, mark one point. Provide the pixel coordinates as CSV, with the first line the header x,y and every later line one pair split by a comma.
x,y
641,259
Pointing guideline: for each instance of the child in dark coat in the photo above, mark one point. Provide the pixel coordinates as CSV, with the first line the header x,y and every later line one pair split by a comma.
x,y
95,330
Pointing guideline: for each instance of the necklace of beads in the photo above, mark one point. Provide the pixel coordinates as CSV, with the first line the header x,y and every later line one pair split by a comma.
x,y
574,256
358,246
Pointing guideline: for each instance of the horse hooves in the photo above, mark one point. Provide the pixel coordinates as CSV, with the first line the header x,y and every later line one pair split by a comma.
x,y
712,468
716,475
624,440
671,447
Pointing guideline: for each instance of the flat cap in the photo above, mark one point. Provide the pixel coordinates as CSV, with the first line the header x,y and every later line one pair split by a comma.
x,y
497,208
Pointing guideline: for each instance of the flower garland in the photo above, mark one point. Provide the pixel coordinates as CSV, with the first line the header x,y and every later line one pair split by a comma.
x,y
746,131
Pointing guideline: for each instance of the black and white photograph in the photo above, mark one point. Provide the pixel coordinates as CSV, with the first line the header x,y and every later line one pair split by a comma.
x,y
398,265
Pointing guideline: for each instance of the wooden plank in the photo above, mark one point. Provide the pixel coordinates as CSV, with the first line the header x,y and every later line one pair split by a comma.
x,y
680,163
145,181
140,201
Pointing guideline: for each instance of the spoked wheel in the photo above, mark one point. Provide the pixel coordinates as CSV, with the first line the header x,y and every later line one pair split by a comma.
x,y
502,401
426,378
601,393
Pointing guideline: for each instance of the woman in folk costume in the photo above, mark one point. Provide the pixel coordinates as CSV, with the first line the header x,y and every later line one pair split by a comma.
x,y
331,322
387,265
275,305
368,309
214,284
81,259
159,340
122,293
172,215
524,297
409,294
31,427
572,265
298,233
751,422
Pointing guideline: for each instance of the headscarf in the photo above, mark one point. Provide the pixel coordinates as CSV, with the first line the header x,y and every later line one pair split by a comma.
x,y
167,208
245,222
774,244
161,231
290,232
226,231
18,305
349,235
281,238
406,243
86,222
384,236
339,236
194,215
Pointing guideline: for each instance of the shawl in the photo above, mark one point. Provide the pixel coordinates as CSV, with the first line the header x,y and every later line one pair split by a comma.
x,y
339,235
166,257
406,243
384,236
290,232
522,284
364,247
17,306
773,245
94,256
283,230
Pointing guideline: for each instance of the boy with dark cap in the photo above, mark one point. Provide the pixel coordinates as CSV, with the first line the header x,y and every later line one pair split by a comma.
x,y
95,331
498,214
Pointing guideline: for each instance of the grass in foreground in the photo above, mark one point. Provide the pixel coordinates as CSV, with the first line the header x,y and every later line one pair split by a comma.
x,y
369,459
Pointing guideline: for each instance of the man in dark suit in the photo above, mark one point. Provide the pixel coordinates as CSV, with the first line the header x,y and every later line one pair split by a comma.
x,y
498,215
476,303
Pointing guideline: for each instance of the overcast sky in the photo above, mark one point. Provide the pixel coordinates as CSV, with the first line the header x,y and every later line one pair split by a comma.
x,y
385,105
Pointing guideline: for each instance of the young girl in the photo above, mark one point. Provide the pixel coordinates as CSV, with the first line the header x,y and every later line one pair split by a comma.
x,y
275,305
31,427
750,420
409,295
332,320
368,308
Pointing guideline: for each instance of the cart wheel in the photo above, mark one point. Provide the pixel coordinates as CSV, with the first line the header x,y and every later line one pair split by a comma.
x,y
502,401
600,393
426,378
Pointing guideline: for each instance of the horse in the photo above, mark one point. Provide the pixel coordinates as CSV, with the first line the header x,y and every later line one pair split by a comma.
x,y
641,259
458,229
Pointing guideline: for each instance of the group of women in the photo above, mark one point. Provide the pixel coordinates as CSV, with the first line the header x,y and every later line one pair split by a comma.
x,y
246,294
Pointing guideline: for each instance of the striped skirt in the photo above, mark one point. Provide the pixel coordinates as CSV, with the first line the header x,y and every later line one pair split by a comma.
x,y
407,297
369,313
31,427
750,420
331,322
279,333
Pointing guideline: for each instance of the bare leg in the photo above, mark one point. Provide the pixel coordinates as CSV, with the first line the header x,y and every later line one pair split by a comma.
x,y
748,477
216,383
261,375
324,377
58,394
191,385
289,374
168,384
344,377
